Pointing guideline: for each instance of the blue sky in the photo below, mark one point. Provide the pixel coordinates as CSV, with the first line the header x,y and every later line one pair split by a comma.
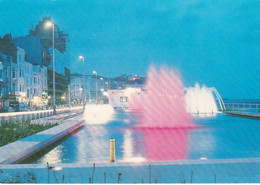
x,y
216,43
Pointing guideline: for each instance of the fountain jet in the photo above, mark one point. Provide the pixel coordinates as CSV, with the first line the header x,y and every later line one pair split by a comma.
x,y
162,104
200,100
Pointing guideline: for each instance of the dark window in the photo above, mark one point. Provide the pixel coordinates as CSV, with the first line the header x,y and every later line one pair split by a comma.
x,y
13,73
123,99
28,93
253,106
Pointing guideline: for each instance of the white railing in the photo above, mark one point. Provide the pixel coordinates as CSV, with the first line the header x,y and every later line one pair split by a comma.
x,y
254,106
220,100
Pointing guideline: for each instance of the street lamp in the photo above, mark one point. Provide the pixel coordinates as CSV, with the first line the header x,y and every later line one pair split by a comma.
x,y
102,82
84,96
94,72
107,85
81,93
50,24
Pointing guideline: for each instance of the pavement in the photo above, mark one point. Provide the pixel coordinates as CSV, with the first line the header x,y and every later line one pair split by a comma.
x,y
6,114
187,171
18,117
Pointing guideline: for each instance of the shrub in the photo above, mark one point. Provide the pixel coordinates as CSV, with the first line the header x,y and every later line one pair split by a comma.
x,y
11,132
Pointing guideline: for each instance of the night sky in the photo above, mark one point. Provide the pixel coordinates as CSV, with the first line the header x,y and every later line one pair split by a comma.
x,y
213,42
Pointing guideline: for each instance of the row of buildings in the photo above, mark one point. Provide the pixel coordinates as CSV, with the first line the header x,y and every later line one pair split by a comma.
x,y
91,88
26,65
20,79
26,71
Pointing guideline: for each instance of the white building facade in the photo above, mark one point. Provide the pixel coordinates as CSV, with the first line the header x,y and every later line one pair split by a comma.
x,y
119,98
92,89
28,81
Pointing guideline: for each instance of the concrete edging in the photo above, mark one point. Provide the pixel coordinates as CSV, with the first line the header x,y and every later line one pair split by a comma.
x,y
23,148
244,114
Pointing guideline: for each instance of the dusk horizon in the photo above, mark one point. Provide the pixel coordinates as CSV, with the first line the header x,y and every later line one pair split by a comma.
x,y
197,38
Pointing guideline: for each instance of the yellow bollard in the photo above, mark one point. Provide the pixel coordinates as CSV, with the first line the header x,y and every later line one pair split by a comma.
x,y
112,150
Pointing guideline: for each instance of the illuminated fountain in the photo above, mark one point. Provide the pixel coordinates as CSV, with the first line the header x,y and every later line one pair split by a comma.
x,y
162,104
200,100
98,114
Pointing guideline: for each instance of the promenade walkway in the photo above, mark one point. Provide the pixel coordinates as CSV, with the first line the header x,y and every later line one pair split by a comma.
x,y
31,115
183,171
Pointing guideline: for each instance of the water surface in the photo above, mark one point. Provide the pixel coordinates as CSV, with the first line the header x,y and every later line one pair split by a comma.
x,y
221,137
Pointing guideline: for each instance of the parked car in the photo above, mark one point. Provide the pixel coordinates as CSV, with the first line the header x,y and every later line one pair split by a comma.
x,y
17,106
6,109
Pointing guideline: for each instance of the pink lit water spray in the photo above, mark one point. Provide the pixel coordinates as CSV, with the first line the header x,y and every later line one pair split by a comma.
x,y
162,105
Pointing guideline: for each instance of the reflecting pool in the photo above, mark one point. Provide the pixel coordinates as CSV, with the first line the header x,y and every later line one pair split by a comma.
x,y
220,137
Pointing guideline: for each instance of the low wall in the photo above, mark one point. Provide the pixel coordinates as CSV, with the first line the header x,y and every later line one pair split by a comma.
x,y
21,149
18,117
191,171
56,118
243,114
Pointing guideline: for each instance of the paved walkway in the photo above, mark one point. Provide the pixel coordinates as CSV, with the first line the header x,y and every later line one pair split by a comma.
x,y
18,117
188,171
37,111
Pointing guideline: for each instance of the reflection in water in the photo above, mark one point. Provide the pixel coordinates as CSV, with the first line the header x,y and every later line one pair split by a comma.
x,y
202,144
221,137
93,145
54,156
129,153
165,144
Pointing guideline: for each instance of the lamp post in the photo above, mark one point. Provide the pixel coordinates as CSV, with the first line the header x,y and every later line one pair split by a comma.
x,y
69,95
84,96
51,24
81,93
102,83
107,85
94,72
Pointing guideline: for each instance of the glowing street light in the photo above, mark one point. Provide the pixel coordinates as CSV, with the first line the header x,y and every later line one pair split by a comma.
x,y
102,82
84,96
50,24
